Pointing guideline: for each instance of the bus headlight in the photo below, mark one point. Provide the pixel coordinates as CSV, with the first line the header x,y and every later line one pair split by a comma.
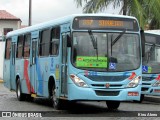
x,y
156,84
134,82
79,82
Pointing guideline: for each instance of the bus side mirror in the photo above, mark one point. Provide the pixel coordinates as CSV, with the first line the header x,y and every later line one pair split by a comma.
x,y
68,41
143,42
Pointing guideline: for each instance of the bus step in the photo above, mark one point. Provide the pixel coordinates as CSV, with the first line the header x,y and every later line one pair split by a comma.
x,y
34,95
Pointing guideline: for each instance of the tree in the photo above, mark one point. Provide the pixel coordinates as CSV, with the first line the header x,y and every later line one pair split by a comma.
x,y
142,9
152,8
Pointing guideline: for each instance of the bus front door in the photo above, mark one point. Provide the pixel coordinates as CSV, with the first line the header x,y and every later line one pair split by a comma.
x,y
33,66
64,65
13,56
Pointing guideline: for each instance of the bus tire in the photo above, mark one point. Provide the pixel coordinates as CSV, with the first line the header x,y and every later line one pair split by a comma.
x,y
20,95
56,103
112,105
29,98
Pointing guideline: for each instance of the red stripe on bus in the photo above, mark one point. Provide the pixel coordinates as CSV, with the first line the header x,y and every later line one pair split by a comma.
x,y
26,76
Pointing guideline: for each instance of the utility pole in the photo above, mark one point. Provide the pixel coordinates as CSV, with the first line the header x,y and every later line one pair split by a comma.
x,y
30,13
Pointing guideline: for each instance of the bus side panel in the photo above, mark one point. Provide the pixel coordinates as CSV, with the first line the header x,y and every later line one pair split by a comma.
x,y
6,74
46,67
54,71
20,69
41,71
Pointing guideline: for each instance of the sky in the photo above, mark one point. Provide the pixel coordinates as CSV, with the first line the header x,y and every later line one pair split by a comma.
x,y
43,10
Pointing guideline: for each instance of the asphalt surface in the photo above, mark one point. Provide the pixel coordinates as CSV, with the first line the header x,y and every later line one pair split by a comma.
x,y
81,110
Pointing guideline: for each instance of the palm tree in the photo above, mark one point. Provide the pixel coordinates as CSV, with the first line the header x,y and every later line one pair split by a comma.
x,y
152,8
141,9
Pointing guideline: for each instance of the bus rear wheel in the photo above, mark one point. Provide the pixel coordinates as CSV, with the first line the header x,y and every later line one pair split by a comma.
x,y
20,95
113,105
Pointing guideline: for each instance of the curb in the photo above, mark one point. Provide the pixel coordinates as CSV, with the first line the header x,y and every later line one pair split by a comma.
x,y
1,81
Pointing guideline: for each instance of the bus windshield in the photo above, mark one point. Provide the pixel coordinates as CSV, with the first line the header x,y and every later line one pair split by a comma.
x,y
114,51
151,61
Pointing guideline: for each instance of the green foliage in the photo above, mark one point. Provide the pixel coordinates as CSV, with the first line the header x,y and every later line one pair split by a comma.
x,y
146,11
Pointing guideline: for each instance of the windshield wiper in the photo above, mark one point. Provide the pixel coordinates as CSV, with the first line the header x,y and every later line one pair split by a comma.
x,y
94,41
116,39
150,52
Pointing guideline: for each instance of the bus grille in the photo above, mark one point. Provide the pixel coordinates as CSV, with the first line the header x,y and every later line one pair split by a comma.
x,y
146,83
107,93
107,78
145,89
147,78
111,85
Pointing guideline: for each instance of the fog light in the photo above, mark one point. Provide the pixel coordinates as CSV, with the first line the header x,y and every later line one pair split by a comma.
x,y
157,90
133,93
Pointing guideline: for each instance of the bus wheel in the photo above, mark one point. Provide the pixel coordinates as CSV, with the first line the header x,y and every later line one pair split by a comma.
x,y
20,95
142,97
29,98
113,105
55,101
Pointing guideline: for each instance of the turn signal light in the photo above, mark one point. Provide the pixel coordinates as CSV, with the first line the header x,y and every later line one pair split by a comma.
x,y
158,77
133,75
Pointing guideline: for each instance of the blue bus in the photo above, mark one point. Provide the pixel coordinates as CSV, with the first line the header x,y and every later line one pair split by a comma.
x,y
151,64
87,57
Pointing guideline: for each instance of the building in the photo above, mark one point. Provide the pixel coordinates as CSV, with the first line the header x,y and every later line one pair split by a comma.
x,y
8,22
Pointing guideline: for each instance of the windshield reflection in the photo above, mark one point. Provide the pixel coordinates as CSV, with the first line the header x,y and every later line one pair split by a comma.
x,y
152,59
123,55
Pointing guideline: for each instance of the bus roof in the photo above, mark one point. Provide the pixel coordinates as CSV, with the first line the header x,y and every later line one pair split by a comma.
x,y
59,21
155,32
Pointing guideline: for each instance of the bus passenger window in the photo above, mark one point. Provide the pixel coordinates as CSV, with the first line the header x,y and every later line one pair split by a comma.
x,y
8,48
27,46
20,47
44,43
54,46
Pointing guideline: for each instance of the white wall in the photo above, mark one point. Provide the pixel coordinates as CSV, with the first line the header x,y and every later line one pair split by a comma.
x,y
2,47
9,24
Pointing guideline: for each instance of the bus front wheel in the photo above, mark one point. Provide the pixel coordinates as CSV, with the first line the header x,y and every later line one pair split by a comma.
x,y
141,99
113,105
20,95
55,101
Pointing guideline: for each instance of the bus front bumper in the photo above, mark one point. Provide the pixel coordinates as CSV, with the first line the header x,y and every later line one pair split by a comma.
x,y
127,94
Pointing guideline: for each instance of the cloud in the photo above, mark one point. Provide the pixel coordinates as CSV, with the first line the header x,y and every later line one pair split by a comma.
x,y
42,10
49,9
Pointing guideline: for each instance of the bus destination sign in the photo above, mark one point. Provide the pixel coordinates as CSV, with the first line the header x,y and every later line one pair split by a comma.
x,y
105,23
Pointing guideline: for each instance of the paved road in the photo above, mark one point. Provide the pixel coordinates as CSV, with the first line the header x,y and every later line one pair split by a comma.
x,y
80,110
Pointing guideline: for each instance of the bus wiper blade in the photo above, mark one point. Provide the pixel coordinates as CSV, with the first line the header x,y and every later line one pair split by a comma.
x,y
92,39
94,42
118,37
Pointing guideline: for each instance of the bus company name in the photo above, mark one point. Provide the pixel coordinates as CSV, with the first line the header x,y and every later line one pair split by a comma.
x,y
92,60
